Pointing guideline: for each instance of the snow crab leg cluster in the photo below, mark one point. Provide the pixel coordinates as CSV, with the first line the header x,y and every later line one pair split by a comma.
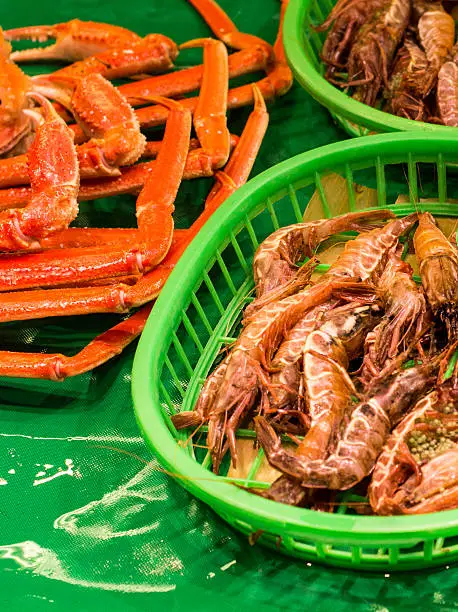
x,y
87,142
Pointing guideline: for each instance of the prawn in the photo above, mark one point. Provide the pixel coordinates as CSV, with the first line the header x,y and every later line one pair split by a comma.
x,y
438,263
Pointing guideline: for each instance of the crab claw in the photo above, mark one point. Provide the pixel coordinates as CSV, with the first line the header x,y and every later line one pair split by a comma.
x,y
75,40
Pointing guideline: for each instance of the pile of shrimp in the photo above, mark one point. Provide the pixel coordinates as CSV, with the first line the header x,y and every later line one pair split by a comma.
x,y
345,377
397,55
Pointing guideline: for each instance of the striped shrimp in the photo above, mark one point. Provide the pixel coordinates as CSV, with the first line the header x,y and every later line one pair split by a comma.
x,y
438,263
275,259
404,319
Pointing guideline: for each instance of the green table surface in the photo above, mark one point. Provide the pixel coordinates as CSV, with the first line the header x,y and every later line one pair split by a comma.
x,y
87,518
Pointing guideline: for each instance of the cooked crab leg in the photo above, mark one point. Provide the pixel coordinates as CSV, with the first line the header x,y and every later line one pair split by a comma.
x,y
210,121
184,81
235,173
111,343
131,180
54,178
223,27
153,147
80,237
57,366
75,40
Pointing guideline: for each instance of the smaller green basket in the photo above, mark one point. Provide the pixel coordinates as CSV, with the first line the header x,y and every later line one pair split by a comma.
x,y
303,47
198,313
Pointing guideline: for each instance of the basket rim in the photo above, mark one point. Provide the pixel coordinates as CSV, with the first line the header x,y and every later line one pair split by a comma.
x,y
327,94
224,497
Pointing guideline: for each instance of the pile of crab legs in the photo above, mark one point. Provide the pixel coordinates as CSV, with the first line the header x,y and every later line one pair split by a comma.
x,y
289,372
50,164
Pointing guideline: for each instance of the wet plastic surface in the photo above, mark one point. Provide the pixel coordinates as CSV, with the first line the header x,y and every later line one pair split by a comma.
x,y
87,518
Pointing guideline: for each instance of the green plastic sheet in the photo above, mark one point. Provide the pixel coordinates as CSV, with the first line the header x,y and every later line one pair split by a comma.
x,y
88,520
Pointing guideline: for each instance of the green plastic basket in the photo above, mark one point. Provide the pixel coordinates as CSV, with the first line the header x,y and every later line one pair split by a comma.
x,y
303,48
197,314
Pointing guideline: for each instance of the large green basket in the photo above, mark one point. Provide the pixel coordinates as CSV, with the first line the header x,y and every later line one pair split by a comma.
x,y
303,47
199,309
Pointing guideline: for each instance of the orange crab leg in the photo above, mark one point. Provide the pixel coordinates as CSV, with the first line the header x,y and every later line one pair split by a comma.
x,y
79,237
48,268
210,120
54,178
154,146
184,81
131,180
75,40
57,367
14,171
155,204
82,237
235,173
223,27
